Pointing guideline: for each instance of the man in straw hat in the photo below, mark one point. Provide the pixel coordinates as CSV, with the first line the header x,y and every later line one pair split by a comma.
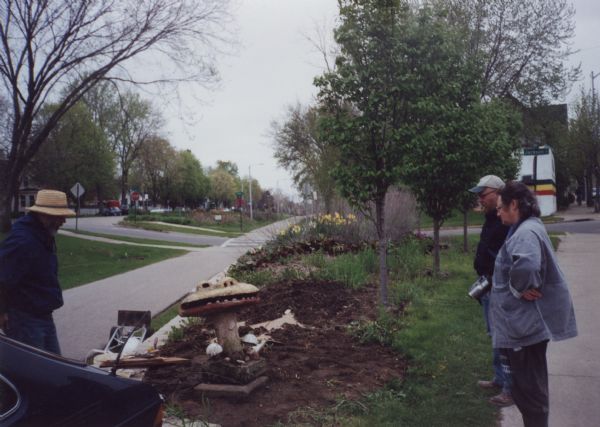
x,y
29,288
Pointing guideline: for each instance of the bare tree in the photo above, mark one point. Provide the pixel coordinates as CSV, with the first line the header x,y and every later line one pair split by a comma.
x,y
300,149
522,44
56,50
135,122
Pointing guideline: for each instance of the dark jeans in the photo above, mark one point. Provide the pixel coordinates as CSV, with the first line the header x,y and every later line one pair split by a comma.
x,y
37,331
529,382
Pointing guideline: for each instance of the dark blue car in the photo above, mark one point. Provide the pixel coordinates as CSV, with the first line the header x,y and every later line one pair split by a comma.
x,y
42,389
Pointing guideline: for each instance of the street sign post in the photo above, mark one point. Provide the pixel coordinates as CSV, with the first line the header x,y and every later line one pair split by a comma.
x,y
135,196
77,190
239,203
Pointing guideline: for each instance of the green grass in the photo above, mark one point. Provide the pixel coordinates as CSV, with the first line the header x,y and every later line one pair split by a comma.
x,y
162,318
233,228
141,241
474,219
442,333
354,270
152,226
83,261
455,220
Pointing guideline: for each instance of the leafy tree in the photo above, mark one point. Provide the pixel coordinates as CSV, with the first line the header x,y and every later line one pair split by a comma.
x,y
194,184
152,165
48,45
134,122
453,150
228,166
584,136
76,151
222,187
368,102
300,149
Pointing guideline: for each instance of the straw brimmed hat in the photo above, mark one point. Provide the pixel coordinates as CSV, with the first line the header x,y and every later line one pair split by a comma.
x,y
51,202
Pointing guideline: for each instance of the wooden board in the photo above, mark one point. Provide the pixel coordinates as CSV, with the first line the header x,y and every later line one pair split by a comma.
x,y
143,362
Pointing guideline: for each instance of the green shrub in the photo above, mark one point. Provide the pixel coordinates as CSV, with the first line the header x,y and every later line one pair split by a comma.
x,y
347,269
408,259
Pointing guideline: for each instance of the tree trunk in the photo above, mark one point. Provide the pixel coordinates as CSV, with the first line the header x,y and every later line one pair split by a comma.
x,y
124,175
465,234
597,188
8,192
436,247
382,249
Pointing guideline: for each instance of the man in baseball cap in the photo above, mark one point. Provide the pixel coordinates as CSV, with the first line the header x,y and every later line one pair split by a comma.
x,y
29,287
491,239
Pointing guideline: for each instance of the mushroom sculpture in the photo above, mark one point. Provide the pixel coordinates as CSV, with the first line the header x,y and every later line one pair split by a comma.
x,y
219,303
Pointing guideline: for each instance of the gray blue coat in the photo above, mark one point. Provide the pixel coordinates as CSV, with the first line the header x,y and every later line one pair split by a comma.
x,y
526,261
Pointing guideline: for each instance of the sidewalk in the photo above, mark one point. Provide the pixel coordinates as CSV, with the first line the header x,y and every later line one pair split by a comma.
x,y
578,213
574,365
89,311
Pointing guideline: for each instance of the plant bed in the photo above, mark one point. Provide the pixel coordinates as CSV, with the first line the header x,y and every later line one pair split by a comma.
x,y
312,366
272,254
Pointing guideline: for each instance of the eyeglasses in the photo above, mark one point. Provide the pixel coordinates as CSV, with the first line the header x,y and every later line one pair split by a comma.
x,y
483,195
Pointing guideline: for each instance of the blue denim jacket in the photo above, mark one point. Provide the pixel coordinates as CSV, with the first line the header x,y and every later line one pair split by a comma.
x,y
526,261
29,269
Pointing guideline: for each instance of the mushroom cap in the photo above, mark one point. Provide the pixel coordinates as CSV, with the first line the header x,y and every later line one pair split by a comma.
x,y
223,295
250,339
213,349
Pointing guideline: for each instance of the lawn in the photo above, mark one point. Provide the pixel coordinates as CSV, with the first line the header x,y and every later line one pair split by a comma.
x,y
83,261
474,219
228,229
153,226
137,240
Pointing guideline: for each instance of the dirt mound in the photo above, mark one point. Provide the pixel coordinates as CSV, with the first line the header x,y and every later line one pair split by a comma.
x,y
315,365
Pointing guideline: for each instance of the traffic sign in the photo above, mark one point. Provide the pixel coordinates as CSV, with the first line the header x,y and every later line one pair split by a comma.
x,y
135,196
239,194
77,190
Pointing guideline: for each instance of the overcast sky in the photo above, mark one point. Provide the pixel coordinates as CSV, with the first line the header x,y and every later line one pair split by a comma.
x,y
274,66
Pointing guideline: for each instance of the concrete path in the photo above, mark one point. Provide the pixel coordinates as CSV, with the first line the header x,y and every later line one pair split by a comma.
x,y
84,322
574,365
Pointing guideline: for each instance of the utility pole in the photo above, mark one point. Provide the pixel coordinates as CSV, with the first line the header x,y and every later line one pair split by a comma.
x,y
250,187
250,190
596,172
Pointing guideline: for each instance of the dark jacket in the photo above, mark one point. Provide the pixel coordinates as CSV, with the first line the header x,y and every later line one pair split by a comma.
x,y
493,235
29,269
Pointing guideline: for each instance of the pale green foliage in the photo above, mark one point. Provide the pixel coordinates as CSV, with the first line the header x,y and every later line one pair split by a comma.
x,y
222,187
194,184
76,151
303,151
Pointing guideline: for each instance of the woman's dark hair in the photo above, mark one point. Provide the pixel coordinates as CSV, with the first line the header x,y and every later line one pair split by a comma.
x,y
526,200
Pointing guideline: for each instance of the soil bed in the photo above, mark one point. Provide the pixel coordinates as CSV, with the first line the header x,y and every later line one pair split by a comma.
x,y
312,366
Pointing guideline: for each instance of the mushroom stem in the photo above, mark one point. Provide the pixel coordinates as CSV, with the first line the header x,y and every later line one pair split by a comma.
x,y
227,332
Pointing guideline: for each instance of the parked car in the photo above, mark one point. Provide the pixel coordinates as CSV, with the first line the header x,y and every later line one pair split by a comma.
x,y
160,210
40,388
112,211
125,209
